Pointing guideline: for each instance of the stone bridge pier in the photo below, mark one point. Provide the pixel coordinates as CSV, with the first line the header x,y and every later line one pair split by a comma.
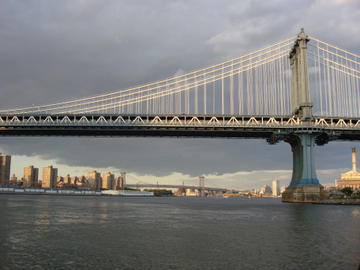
x,y
304,185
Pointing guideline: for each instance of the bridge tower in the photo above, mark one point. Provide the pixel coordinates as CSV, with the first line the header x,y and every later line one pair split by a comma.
x,y
300,94
304,185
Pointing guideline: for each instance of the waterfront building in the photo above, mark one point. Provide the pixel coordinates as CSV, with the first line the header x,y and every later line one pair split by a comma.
x,y
31,176
275,188
75,180
180,192
60,182
94,179
350,178
13,180
191,192
67,179
107,180
120,181
282,189
5,163
67,182
49,177
266,190
83,181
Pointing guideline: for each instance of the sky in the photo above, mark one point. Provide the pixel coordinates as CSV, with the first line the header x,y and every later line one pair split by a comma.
x,y
52,51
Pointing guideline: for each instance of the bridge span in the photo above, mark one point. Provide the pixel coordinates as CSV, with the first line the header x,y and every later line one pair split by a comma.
x,y
268,93
329,128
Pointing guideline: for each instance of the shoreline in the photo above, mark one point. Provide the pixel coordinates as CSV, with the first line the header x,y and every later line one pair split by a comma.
x,y
339,202
65,192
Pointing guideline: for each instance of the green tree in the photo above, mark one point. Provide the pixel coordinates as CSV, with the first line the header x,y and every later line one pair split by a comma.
x,y
347,191
356,195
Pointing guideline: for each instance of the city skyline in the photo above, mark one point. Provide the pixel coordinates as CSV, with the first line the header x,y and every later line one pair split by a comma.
x,y
95,57
213,180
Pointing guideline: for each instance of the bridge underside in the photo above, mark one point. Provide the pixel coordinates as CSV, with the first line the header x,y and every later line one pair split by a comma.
x,y
138,131
145,131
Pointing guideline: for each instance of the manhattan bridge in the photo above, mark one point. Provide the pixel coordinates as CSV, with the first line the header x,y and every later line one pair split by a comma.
x,y
301,90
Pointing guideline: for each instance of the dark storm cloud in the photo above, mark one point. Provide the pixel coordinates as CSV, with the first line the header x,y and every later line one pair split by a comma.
x,y
56,50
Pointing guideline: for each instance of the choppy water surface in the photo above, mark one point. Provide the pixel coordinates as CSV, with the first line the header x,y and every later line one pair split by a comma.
x,y
51,232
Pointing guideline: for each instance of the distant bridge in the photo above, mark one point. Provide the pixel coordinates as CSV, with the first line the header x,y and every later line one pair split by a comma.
x,y
162,186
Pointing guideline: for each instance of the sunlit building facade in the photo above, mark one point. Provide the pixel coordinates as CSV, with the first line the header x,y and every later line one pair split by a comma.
x,y
94,179
5,163
350,178
275,188
49,177
107,180
31,176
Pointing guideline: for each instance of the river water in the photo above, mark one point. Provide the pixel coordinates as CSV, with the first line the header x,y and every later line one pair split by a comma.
x,y
54,232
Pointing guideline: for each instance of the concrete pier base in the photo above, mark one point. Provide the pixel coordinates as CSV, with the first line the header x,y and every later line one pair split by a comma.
x,y
304,194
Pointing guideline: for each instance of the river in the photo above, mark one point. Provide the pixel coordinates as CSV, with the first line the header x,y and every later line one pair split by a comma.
x,y
59,232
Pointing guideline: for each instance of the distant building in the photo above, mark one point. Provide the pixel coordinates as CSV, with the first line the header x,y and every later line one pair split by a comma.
x,y
94,179
83,181
67,179
120,181
275,188
107,180
282,189
350,178
180,192
191,192
49,177
5,163
75,180
60,182
13,179
266,190
31,176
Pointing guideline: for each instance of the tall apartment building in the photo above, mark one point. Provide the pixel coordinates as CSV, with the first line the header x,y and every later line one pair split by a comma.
x,y
94,179
31,176
107,180
5,163
49,177
275,188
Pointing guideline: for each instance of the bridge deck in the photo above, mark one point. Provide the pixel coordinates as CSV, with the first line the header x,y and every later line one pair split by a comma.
x,y
175,125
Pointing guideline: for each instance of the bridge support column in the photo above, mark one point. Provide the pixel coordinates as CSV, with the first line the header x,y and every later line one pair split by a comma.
x,y
304,185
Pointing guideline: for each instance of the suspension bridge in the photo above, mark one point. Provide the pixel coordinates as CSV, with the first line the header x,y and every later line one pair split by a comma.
x,y
301,90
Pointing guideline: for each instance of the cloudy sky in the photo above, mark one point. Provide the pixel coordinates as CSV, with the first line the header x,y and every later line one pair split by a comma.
x,y
56,50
